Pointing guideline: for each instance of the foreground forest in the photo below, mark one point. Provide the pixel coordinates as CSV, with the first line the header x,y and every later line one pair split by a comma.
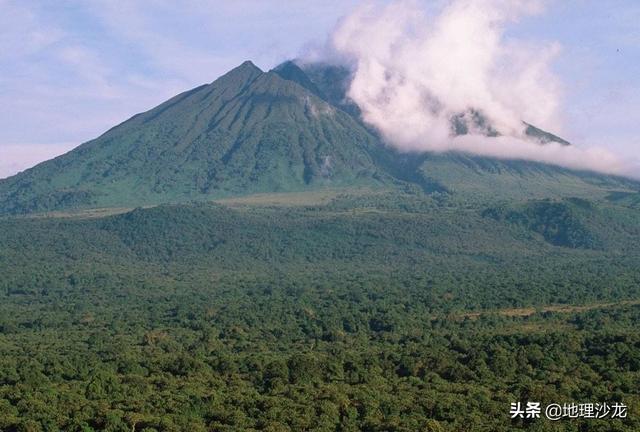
x,y
375,313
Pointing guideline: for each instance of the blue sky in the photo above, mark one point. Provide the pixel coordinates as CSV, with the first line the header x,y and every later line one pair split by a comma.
x,y
69,70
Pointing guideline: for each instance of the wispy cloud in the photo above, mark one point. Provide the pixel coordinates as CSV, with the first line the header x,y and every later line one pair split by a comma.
x,y
63,84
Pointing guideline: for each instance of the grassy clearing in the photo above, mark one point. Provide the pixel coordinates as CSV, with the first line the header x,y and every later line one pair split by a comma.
x,y
297,199
529,311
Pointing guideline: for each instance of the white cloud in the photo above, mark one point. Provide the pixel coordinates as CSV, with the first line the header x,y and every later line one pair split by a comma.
x,y
415,70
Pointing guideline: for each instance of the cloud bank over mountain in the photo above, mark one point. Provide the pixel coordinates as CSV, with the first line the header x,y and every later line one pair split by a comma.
x,y
414,70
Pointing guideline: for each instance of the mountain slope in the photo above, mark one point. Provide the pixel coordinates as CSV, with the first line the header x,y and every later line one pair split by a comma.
x,y
247,132
476,178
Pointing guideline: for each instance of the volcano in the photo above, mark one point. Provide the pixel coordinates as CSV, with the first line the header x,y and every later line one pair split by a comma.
x,y
291,129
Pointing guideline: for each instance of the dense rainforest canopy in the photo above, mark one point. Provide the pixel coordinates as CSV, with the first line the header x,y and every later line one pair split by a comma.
x,y
380,312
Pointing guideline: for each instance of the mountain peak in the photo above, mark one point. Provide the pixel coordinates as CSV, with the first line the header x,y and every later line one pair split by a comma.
x,y
248,64
542,136
247,71
290,71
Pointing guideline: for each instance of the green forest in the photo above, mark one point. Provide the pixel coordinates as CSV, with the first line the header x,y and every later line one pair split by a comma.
x,y
387,312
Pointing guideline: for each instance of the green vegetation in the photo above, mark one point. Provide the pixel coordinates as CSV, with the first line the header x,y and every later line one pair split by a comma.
x,y
373,312
558,222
